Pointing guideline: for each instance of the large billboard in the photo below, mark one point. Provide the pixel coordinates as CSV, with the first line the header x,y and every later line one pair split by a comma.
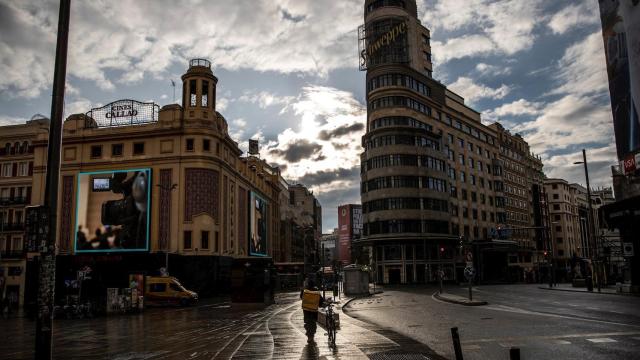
x,y
621,33
112,211
344,234
258,225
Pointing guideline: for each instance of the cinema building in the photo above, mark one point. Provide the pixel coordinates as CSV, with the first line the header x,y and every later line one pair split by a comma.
x,y
432,185
144,188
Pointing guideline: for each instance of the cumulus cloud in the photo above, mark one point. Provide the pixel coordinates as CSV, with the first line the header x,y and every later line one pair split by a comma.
x,y
286,36
11,120
325,146
599,160
573,16
492,70
472,91
265,99
516,108
483,27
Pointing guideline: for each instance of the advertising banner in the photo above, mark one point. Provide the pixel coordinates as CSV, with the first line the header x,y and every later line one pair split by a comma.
x,y
258,226
621,33
112,211
344,234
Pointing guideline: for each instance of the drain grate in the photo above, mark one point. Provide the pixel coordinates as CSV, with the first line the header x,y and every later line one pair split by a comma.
x,y
389,355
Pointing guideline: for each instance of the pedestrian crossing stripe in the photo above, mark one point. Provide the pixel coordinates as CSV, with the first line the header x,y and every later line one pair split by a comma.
x,y
602,340
561,342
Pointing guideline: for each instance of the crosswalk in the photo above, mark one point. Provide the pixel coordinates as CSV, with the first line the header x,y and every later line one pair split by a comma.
x,y
626,339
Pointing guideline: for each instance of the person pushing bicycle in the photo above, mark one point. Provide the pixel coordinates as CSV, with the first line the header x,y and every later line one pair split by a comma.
x,y
311,300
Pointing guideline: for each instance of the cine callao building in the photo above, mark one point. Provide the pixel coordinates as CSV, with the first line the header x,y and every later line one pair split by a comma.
x,y
144,188
431,177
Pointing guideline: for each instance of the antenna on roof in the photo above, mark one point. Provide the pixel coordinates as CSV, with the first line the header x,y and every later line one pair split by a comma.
x,y
173,83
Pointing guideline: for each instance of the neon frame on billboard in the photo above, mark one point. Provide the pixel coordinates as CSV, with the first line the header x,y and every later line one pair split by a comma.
x,y
148,171
252,198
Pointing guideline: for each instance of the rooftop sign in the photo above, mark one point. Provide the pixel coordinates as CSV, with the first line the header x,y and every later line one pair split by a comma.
x,y
123,113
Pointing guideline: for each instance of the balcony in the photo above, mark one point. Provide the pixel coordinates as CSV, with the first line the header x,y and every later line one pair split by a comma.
x,y
16,200
12,254
7,227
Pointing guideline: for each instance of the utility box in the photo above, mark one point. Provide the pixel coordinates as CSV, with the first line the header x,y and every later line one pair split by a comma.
x,y
356,281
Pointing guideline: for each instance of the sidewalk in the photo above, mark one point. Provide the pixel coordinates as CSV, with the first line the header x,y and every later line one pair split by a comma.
x,y
604,290
456,299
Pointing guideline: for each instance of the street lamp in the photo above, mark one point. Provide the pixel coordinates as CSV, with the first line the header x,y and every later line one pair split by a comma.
x,y
594,252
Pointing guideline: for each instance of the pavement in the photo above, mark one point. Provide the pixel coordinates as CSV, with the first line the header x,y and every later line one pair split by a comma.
x,y
457,299
543,324
604,290
211,331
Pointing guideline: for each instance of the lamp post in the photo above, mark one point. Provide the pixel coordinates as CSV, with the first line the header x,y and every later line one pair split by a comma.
x,y
166,252
594,252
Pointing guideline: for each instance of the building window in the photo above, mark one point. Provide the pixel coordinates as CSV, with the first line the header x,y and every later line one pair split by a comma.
x,y
462,176
556,196
23,169
205,94
116,150
559,228
187,239
190,145
206,145
6,170
556,206
192,92
461,159
96,151
461,143
204,240
138,148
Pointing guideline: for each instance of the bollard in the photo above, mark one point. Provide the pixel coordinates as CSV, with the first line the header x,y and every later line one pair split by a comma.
x,y
514,354
456,343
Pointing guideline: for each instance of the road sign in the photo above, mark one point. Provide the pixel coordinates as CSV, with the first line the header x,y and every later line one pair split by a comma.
x,y
627,250
469,273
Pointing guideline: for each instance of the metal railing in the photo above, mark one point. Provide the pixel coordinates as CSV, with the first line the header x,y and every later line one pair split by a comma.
x,y
16,200
200,62
11,227
12,254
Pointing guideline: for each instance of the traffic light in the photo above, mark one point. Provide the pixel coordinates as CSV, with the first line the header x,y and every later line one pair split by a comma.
x,y
545,253
442,249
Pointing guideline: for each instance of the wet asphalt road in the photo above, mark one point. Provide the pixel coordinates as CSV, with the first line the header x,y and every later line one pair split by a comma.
x,y
543,324
211,331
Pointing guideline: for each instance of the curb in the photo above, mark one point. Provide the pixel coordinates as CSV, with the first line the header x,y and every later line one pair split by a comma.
x,y
459,302
589,292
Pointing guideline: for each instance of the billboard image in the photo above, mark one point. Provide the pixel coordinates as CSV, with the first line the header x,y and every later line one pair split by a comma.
x,y
112,211
257,225
344,234
621,33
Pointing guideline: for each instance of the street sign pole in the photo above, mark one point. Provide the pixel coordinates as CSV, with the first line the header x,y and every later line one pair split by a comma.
x,y
46,288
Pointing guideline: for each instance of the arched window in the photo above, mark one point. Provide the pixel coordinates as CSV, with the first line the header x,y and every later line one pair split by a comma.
x,y
7,149
25,147
16,148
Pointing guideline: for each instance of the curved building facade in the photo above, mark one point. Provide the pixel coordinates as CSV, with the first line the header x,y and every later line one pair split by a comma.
x,y
421,195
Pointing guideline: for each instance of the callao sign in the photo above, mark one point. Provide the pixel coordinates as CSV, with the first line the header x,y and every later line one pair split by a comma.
x,y
121,111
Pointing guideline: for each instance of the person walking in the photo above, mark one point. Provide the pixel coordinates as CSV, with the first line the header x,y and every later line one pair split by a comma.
x,y
311,301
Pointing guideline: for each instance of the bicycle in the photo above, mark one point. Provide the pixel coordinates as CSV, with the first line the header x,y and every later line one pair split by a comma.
x,y
330,324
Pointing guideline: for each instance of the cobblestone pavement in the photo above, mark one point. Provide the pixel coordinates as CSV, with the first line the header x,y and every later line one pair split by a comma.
x,y
214,331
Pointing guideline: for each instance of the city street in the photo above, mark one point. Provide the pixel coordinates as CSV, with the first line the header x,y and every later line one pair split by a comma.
x,y
208,331
544,324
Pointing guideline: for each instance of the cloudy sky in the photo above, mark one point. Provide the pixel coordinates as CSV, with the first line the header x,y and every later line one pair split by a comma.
x,y
288,73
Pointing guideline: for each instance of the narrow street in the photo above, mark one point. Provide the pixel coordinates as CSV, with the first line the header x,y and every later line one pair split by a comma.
x,y
544,324
213,331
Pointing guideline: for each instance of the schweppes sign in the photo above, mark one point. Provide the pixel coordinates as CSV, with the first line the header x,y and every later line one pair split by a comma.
x,y
387,38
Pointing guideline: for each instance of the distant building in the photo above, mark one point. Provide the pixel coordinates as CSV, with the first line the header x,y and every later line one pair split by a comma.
x,y
330,244
16,181
349,230
298,246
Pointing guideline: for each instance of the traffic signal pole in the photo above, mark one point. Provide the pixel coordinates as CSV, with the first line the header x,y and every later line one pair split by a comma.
x,y
46,278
